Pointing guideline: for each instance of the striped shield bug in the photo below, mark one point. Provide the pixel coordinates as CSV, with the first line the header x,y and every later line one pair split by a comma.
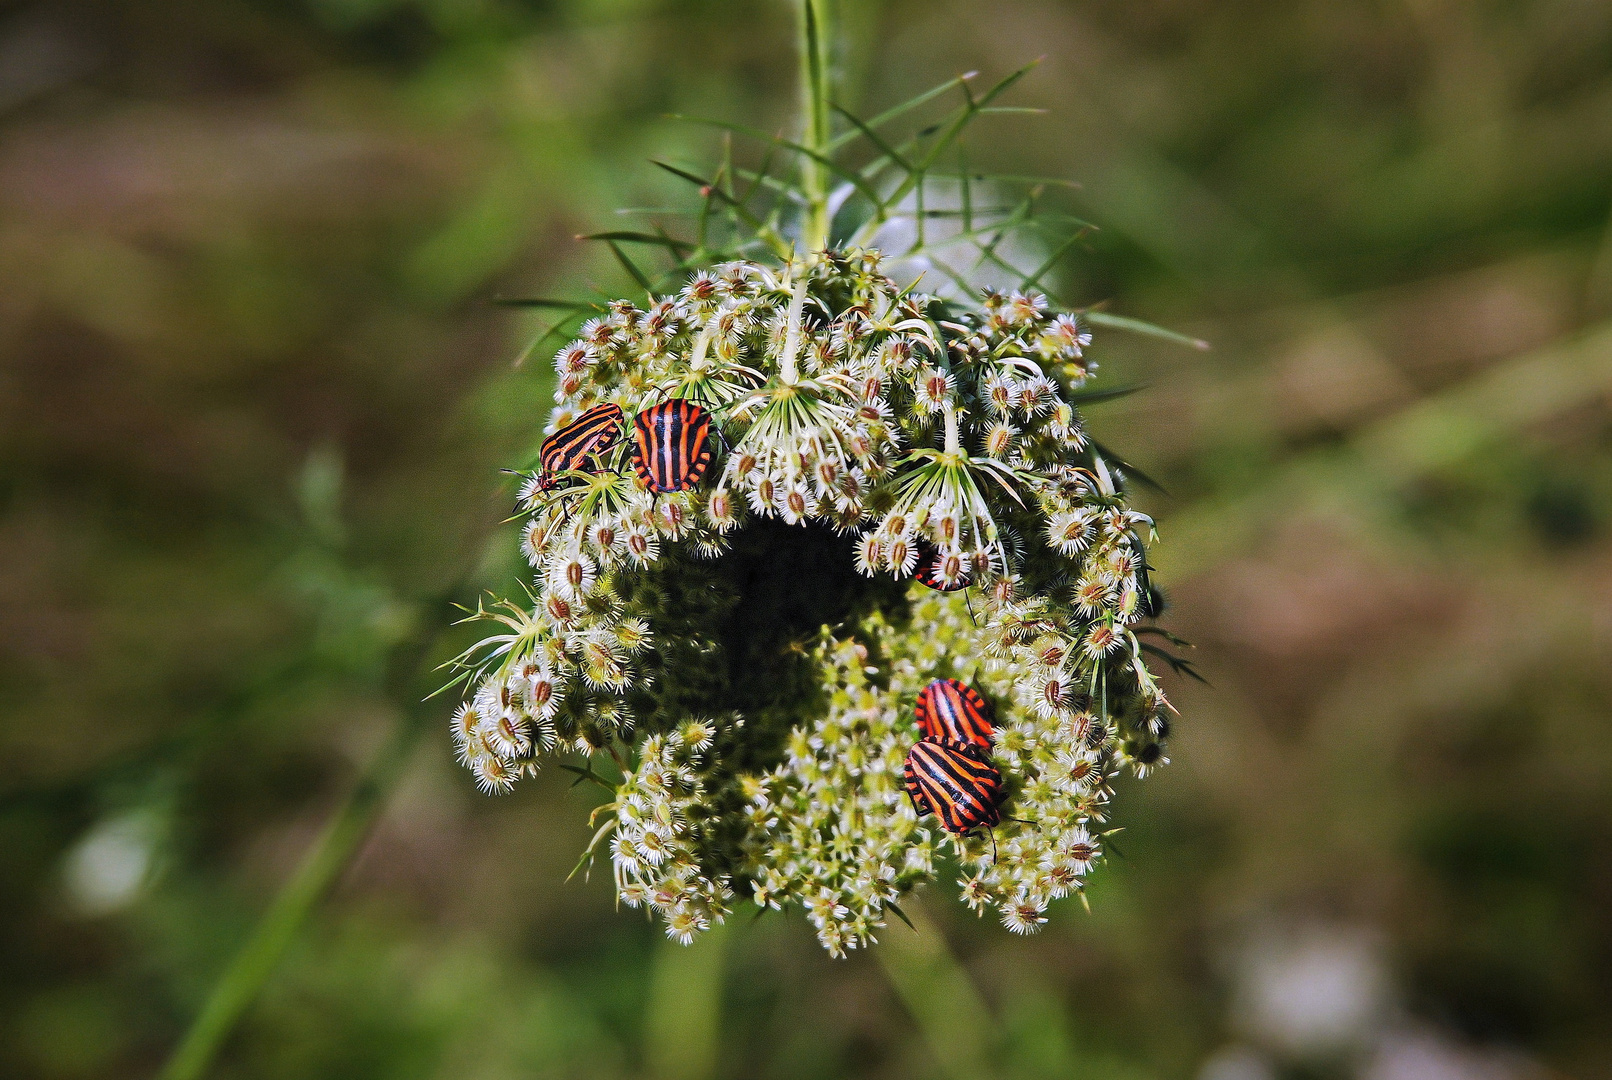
x,y
951,712
671,445
594,432
928,572
955,782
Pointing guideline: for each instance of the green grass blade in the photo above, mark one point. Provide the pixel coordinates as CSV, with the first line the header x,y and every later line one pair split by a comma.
x,y
966,190
873,137
242,980
955,129
763,230
555,331
849,176
942,998
758,176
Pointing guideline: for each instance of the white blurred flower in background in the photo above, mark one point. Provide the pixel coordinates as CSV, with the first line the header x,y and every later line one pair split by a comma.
x,y
1312,990
1322,994
112,864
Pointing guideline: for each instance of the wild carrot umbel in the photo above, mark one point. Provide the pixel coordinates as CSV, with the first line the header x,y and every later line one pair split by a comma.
x,y
829,488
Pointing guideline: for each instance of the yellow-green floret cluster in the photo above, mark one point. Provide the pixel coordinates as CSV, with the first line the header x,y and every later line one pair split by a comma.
x,y
902,490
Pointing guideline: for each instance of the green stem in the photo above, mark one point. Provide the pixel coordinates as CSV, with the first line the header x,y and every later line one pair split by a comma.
x,y
816,35
937,990
243,979
683,1025
250,969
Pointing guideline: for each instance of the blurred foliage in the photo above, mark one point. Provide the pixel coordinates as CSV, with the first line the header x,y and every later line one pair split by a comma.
x,y
254,398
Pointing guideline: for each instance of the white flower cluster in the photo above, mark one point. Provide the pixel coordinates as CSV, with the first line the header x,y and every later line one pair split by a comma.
x,y
664,830
831,828
557,681
944,446
833,831
819,374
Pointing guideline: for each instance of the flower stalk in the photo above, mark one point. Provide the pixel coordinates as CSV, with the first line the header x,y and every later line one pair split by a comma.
x,y
816,58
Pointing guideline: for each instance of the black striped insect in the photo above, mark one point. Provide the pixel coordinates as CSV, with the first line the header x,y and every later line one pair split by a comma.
x,y
568,449
671,445
955,782
927,572
950,711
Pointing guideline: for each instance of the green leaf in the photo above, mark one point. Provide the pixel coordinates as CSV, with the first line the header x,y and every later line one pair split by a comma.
x,y
963,284
952,126
587,852
1032,280
955,128
1177,664
902,109
1129,469
630,266
541,340
824,160
767,234
872,137
966,189
761,175
540,302
1173,639
1024,178
776,184
1137,326
1092,397
629,237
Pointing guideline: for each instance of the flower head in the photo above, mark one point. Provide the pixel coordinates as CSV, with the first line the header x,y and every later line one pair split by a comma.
x,y
884,489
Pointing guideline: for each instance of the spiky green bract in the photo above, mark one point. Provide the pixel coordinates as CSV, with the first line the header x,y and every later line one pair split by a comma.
x,y
746,655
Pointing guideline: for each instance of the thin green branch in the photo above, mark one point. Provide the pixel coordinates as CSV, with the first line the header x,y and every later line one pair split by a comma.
x,y
243,979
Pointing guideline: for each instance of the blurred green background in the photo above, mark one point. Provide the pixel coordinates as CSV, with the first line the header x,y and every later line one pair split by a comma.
x,y
254,396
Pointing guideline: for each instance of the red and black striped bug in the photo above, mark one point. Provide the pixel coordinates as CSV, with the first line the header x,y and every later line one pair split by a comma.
x,y
568,449
950,711
927,573
955,782
671,445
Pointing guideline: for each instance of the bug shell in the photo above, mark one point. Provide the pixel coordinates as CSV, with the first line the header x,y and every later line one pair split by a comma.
x,y
952,711
594,432
956,783
671,445
927,574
